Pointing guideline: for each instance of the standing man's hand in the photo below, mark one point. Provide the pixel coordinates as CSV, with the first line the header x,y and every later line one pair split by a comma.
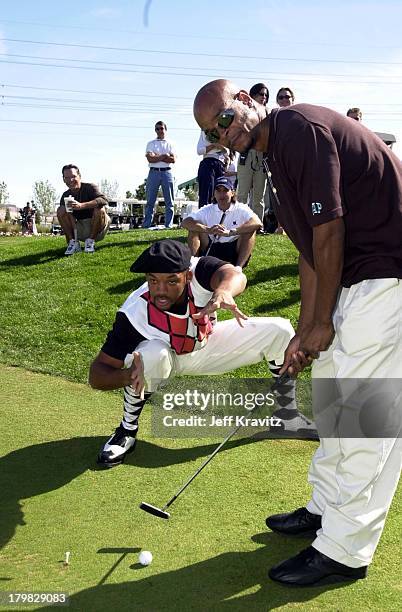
x,y
306,346
295,360
316,337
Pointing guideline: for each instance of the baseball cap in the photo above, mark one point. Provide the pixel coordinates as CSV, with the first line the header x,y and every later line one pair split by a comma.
x,y
224,182
163,256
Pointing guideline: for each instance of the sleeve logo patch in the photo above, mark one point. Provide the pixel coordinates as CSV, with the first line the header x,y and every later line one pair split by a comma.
x,y
316,208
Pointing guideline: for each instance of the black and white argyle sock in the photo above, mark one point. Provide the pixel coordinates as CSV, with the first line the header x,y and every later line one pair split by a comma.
x,y
285,395
132,408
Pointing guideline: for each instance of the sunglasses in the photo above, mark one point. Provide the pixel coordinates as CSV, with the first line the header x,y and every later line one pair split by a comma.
x,y
284,97
159,129
225,119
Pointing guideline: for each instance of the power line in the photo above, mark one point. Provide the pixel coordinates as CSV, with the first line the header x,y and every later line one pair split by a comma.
x,y
116,93
102,125
151,72
139,105
283,74
138,111
146,111
95,92
192,54
181,34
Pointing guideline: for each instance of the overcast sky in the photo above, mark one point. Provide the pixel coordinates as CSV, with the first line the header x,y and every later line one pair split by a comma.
x,y
84,82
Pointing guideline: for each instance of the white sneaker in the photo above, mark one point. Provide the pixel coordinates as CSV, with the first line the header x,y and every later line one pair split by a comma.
x,y
89,245
294,424
120,444
73,247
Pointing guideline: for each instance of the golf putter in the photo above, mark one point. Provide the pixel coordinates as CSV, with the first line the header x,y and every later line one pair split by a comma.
x,y
215,238
162,512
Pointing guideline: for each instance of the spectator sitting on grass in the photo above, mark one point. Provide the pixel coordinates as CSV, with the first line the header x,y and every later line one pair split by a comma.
x,y
225,229
88,220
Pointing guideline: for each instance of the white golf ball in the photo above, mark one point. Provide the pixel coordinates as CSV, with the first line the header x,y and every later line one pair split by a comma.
x,y
145,557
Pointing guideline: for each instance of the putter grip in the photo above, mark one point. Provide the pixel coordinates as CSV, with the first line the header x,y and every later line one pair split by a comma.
x,y
281,380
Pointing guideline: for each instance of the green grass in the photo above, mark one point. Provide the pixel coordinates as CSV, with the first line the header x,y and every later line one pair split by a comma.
x,y
214,552
57,310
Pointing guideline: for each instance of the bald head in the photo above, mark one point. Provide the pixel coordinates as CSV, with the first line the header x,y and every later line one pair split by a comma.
x,y
228,115
220,92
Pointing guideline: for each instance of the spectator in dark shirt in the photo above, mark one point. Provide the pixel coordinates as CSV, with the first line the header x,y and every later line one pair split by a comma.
x,y
86,218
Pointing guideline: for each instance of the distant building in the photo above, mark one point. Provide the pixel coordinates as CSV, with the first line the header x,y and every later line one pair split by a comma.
x,y
14,211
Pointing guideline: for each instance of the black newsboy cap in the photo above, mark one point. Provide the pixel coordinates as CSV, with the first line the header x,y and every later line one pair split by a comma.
x,y
163,256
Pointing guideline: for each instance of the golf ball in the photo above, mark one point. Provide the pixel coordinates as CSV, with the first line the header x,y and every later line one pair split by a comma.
x,y
145,557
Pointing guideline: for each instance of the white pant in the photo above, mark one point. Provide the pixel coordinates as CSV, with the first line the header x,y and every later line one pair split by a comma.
x,y
229,347
354,479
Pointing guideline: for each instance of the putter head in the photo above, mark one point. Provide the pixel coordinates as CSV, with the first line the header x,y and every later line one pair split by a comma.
x,y
154,510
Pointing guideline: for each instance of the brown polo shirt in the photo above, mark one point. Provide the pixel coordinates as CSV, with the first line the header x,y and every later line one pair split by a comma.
x,y
86,193
324,166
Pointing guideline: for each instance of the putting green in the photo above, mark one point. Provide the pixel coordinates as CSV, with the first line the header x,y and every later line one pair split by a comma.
x,y
212,554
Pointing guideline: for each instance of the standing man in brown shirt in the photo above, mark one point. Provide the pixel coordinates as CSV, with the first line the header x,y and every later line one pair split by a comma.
x,y
86,219
338,194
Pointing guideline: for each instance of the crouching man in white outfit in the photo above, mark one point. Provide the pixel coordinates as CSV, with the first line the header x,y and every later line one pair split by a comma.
x,y
164,329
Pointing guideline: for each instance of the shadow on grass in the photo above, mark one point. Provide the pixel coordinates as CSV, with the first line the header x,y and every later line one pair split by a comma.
x,y
214,584
40,468
33,259
273,273
127,287
145,242
293,298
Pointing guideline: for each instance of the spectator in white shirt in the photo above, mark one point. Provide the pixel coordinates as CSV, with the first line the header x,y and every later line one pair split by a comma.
x,y
225,230
160,155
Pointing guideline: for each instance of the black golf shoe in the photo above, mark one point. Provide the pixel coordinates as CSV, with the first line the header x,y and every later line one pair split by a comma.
x,y
312,568
301,522
116,448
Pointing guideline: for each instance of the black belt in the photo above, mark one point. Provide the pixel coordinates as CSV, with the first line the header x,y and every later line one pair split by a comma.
x,y
160,169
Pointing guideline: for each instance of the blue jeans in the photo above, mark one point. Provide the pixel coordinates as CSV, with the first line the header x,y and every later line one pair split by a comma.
x,y
157,178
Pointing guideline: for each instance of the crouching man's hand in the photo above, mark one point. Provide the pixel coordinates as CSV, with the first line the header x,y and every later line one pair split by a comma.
x,y
136,375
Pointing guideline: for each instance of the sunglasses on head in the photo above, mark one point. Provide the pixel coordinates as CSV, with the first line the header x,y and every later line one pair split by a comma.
x,y
225,119
284,97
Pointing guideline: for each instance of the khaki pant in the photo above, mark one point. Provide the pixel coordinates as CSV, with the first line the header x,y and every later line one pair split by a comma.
x,y
84,229
354,479
252,182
